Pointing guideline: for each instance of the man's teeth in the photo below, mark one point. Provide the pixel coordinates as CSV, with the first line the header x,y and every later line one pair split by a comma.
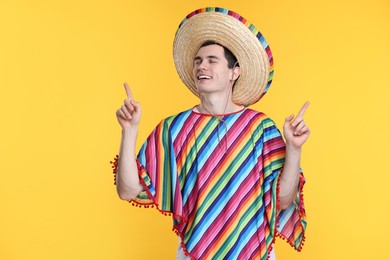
x,y
204,77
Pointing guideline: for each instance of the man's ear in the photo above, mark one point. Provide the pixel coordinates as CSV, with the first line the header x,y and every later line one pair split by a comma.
x,y
236,73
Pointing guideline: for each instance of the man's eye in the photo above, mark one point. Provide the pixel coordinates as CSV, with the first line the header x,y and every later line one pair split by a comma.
x,y
197,62
213,61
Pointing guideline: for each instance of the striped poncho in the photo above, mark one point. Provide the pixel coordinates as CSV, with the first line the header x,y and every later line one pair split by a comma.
x,y
218,179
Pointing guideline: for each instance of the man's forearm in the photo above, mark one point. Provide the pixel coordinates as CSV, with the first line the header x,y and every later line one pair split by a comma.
x,y
127,180
290,177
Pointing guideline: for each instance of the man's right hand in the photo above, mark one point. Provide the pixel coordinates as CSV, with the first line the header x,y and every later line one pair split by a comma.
x,y
129,114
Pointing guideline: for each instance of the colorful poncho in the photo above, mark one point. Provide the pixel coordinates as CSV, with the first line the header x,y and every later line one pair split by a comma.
x,y
219,179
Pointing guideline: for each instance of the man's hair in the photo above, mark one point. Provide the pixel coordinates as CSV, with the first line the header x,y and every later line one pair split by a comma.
x,y
231,59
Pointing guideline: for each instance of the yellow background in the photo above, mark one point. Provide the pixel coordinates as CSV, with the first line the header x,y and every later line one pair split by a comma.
x,y
62,65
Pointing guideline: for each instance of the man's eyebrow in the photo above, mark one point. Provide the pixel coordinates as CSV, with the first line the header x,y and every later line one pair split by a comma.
x,y
212,57
208,57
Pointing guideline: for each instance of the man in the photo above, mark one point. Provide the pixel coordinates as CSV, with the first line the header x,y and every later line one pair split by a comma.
x,y
220,169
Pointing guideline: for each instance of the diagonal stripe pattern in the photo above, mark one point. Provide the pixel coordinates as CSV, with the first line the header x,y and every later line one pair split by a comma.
x,y
219,181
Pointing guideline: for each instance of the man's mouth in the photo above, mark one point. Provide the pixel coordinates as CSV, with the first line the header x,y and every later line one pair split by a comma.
x,y
203,77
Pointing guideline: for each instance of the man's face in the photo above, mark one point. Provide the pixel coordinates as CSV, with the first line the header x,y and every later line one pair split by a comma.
x,y
211,72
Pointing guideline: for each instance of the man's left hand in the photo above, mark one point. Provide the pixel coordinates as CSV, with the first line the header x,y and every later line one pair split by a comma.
x,y
295,130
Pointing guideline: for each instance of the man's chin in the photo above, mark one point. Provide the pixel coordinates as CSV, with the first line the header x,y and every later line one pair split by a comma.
x,y
204,87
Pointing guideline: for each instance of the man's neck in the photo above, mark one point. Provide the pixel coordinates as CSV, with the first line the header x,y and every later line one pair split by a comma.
x,y
217,104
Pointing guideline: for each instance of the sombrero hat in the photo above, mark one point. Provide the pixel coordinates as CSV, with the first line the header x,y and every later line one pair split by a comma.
x,y
234,32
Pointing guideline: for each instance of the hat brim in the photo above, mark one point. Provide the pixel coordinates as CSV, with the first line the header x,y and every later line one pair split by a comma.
x,y
240,37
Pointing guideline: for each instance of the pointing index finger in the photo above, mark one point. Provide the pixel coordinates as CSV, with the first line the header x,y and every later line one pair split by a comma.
x,y
303,109
128,91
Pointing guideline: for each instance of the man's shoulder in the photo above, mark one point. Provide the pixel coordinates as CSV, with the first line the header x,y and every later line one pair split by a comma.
x,y
178,116
260,119
260,116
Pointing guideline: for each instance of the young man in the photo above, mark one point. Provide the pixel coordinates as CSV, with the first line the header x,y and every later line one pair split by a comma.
x,y
220,169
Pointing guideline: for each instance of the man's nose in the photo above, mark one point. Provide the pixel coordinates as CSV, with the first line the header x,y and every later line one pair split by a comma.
x,y
202,65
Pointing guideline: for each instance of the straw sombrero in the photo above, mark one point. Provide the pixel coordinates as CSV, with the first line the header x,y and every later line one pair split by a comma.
x,y
239,36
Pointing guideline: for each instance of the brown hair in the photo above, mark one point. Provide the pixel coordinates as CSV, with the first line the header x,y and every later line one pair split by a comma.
x,y
232,60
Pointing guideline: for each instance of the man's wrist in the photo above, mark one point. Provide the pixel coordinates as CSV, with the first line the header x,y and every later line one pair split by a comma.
x,y
292,149
132,130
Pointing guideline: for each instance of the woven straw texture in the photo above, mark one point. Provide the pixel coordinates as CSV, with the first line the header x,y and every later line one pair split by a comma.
x,y
239,36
